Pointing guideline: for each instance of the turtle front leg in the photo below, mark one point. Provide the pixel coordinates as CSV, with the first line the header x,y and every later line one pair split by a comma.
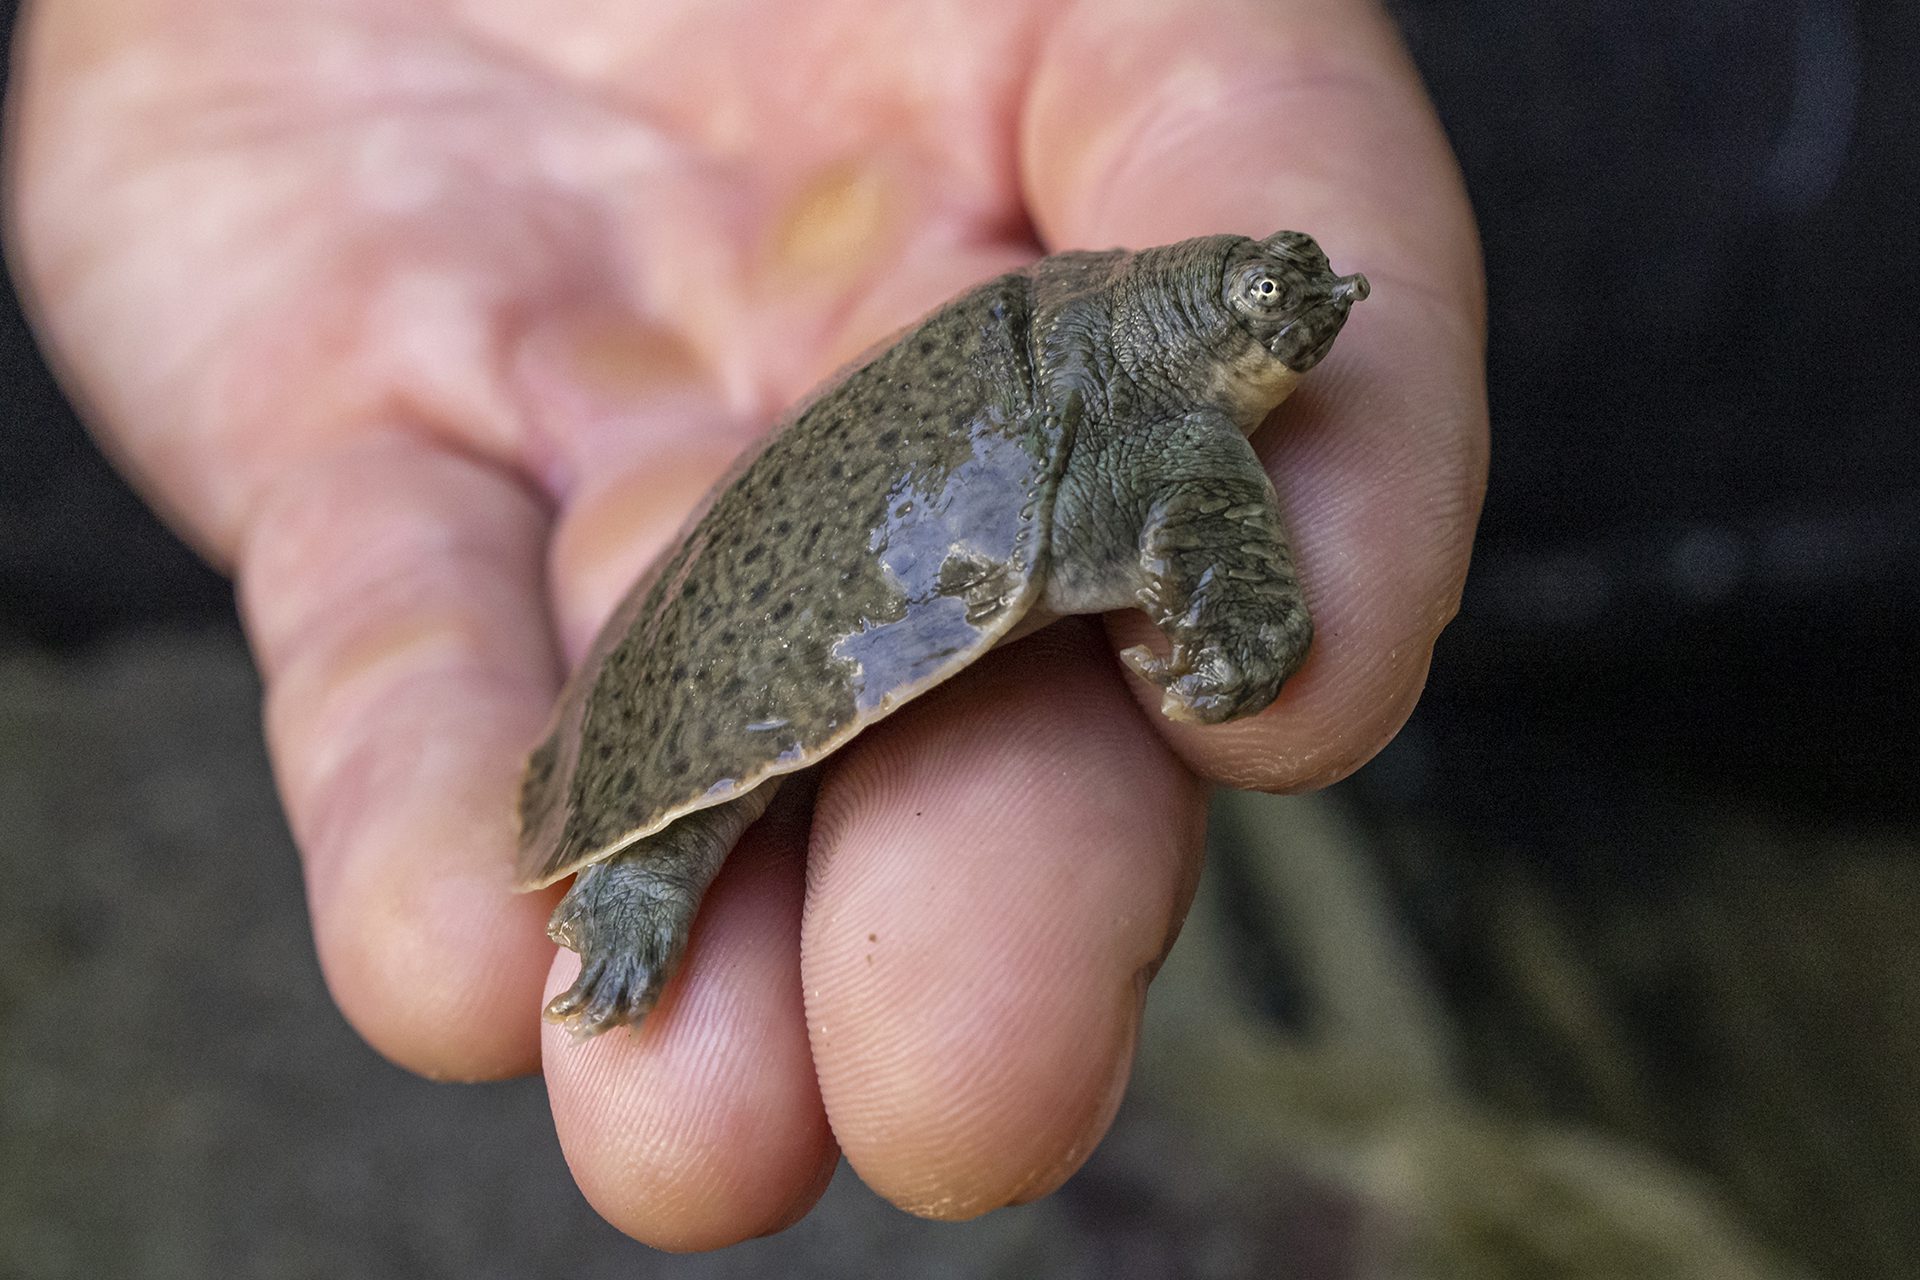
x,y
1217,577
630,915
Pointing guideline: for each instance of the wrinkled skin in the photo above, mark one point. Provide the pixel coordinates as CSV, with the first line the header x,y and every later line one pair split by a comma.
x,y
429,322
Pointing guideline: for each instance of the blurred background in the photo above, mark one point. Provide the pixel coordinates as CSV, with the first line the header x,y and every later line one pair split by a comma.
x,y
1607,967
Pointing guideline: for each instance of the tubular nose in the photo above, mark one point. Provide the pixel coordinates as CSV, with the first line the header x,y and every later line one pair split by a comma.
x,y
1351,289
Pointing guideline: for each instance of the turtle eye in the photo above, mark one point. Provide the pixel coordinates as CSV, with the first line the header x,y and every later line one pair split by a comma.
x,y
1261,293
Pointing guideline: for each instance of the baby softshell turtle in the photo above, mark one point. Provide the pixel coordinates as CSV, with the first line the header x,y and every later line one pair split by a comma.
x,y
1068,438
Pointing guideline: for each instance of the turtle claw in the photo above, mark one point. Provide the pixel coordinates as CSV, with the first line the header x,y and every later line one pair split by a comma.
x,y
607,993
574,998
1141,660
1214,683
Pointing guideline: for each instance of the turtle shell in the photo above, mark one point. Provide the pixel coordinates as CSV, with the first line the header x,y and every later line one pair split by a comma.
x,y
880,540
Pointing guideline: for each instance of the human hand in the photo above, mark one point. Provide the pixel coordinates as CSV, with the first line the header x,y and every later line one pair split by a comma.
x,y
430,322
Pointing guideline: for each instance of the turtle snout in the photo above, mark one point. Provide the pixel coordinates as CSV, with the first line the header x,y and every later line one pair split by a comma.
x,y
1348,290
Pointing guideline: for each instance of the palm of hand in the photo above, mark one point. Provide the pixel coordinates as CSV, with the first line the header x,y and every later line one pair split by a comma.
x,y
433,325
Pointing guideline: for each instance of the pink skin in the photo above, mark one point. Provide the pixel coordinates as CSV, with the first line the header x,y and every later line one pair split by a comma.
x,y
429,321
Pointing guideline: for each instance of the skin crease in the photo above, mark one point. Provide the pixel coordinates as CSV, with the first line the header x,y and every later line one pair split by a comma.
x,y
430,321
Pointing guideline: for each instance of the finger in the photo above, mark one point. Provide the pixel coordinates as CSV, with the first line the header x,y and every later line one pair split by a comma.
x,y
944,267
392,592
704,1127
632,431
1306,116
997,870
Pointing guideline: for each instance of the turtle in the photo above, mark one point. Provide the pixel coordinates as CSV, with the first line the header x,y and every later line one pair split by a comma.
x,y
1067,438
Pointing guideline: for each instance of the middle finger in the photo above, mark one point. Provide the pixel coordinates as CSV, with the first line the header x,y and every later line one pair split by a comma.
x,y
997,871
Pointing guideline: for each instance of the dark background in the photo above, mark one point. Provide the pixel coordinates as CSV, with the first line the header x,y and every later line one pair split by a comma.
x,y
1693,599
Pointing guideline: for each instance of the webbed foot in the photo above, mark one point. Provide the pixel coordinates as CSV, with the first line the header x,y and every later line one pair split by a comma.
x,y
1234,675
630,928
630,916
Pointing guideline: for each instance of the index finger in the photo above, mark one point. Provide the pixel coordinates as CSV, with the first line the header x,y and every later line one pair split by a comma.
x,y
1149,126
391,589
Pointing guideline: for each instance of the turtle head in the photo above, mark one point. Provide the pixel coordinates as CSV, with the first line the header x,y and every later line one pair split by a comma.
x,y
1282,289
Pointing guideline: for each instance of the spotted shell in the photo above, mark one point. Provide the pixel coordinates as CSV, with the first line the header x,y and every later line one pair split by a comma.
x,y
882,538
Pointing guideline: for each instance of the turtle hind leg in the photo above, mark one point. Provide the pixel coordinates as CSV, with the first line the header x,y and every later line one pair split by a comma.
x,y
629,916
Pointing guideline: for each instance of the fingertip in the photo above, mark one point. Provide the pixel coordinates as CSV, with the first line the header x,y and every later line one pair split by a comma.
x,y
427,949
402,966
995,871
703,1127
1319,730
